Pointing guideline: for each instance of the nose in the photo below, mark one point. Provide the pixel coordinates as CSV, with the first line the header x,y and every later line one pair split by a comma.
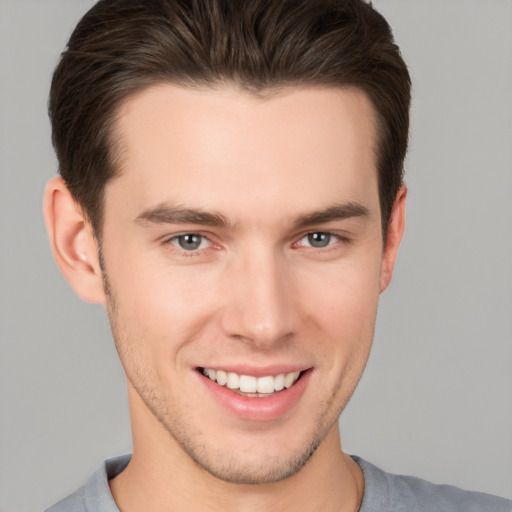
x,y
259,303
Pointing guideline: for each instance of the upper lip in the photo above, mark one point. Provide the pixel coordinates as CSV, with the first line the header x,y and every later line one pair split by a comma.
x,y
258,371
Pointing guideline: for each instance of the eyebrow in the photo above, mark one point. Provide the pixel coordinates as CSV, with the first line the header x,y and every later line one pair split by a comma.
x,y
169,214
333,213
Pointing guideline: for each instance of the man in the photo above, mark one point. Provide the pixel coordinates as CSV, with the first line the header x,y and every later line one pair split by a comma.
x,y
231,190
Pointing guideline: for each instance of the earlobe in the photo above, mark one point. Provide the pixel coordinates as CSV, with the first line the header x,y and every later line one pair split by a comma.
x,y
73,244
395,231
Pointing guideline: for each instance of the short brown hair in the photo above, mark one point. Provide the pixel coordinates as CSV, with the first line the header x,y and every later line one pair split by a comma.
x,y
122,46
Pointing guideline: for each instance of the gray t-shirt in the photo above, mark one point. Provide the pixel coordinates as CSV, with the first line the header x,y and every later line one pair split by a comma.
x,y
383,492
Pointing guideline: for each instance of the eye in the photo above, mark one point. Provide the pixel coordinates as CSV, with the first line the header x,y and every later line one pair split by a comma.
x,y
190,241
318,239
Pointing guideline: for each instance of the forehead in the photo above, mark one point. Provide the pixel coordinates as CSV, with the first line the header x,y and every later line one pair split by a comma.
x,y
226,149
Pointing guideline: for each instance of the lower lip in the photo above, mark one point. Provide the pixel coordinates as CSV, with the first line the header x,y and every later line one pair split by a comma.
x,y
267,408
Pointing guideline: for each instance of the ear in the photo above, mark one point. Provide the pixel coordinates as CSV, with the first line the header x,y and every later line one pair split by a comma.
x,y
395,231
73,244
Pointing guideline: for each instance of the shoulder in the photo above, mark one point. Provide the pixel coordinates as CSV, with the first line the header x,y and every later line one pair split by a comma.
x,y
95,495
399,493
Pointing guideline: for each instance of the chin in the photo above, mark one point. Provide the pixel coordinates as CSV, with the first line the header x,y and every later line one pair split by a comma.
x,y
252,457
239,467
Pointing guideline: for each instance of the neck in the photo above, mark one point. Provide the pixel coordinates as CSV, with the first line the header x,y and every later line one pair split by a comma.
x,y
162,477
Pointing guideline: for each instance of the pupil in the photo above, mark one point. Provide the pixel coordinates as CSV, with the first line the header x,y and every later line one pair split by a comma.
x,y
189,242
319,239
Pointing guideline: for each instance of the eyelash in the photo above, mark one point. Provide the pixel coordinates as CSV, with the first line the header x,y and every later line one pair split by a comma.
x,y
333,240
199,251
188,253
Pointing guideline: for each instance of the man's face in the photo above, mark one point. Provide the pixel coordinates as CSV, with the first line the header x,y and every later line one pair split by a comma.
x,y
243,239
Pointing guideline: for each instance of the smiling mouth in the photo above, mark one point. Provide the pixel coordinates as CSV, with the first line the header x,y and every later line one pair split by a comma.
x,y
251,386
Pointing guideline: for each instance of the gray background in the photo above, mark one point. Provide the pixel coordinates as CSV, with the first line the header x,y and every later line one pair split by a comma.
x,y
436,397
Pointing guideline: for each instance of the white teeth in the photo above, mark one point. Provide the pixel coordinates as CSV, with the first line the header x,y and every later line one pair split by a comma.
x,y
265,384
290,378
279,382
249,384
222,377
233,380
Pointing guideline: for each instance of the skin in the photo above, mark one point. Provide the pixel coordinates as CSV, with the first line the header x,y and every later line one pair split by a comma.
x,y
255,293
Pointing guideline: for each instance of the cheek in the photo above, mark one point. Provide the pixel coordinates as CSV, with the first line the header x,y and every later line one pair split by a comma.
x,y
341,306
163,304
344,294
